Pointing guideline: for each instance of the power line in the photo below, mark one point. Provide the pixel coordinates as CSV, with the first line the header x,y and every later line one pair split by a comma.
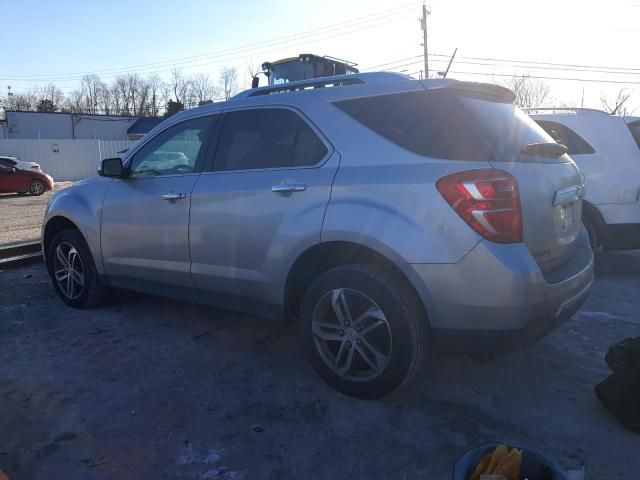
x,y
588,80
525,64
382,23
382,15
622,69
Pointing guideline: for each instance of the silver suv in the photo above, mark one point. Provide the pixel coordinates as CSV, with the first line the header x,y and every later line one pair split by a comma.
x,y
381,214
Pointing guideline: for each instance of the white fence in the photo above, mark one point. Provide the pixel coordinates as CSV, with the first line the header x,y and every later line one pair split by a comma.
x,y
65,159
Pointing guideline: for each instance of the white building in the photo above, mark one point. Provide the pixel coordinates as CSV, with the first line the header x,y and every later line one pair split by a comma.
x,y
41,125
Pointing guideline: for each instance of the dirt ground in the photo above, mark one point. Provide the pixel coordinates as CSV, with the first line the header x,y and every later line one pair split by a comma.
x,y
21,215
146,388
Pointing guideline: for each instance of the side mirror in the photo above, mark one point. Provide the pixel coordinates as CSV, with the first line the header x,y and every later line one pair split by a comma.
x,y
12,170
111,167
255,82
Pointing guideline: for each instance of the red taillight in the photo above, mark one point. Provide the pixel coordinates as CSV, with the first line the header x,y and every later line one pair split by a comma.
x,y
488,200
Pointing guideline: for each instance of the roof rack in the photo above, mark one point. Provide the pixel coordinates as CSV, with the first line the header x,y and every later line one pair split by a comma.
x,y
566,110
324,82
294,87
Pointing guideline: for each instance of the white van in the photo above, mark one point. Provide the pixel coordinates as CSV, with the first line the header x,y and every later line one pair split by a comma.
x,y
607,151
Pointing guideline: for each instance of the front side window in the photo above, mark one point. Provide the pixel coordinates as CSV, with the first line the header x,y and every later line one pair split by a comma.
x,y
576,145
4,169
267,138
172,152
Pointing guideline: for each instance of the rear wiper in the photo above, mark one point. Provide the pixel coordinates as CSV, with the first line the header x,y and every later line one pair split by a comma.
x,y
549,150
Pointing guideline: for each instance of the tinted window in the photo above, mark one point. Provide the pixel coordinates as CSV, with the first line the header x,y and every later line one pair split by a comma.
x,y
267,138
7,161
4,168
634,128
173,151
575,144
448,125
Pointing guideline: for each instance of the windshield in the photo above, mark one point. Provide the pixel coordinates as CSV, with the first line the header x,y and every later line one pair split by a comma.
x,y
290,72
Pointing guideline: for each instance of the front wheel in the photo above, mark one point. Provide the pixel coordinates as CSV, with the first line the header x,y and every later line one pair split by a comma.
x,y
36,188
362,331
73,271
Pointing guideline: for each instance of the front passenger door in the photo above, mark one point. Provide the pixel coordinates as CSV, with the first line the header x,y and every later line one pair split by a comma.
x,y
144,228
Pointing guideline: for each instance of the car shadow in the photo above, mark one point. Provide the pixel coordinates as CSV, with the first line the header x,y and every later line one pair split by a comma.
x,y
624,263
12,195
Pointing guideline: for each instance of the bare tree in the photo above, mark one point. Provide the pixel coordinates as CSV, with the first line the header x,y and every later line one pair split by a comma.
x,y
203,89
617,106
52,94
229,82
121,91
74,102
530,92
180,86
91,87
24,102
157,95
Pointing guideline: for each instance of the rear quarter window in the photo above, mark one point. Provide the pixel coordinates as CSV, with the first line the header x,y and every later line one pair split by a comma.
x,y
634,128
423,122
448,125
575,144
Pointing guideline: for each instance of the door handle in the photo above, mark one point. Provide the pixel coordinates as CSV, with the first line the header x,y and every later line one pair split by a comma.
x,y
288,187
174,196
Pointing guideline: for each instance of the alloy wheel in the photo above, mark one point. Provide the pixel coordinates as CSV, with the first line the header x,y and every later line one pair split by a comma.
x,y
68,270
36,188
351,334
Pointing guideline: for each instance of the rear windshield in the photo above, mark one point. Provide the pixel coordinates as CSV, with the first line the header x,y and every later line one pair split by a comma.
x,y
448,125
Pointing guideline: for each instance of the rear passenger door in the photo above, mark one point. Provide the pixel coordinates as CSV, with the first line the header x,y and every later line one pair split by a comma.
x,y
260,202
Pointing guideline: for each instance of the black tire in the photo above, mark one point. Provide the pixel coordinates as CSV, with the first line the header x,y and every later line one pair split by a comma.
x,y
402,313
36,187
93,291
594,237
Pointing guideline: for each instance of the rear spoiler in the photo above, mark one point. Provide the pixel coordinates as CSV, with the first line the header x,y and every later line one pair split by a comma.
x,y
495,92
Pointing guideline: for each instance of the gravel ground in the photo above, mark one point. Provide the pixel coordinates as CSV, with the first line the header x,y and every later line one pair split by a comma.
x,y
21,215
146,388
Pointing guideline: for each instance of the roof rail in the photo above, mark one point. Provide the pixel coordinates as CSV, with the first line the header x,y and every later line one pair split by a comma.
x,y
324,82
291,87
567,110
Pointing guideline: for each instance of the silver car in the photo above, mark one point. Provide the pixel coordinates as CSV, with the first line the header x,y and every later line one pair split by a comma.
x,y
382,215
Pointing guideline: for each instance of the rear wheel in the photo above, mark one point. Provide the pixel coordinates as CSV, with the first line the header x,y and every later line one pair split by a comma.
x,y
36,188
361,330
73,271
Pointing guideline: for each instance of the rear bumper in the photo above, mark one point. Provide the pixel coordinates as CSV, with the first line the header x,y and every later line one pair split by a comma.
x,y
496,297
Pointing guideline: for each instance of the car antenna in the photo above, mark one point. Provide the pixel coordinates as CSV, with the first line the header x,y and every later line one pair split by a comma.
x,y
450,62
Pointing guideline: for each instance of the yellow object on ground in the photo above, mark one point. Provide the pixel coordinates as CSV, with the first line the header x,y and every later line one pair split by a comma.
x,y
500,462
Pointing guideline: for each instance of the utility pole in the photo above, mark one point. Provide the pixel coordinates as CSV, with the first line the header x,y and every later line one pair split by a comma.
x,y
423,23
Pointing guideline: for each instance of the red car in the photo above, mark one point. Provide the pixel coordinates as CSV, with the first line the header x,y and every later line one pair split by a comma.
x,y
15,180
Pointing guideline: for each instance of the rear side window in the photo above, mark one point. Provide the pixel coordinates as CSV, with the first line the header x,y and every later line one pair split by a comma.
x,y
267,138
575,144
634,128
448,125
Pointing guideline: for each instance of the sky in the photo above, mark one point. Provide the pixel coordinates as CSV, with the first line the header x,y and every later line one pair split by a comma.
x,y
57,42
